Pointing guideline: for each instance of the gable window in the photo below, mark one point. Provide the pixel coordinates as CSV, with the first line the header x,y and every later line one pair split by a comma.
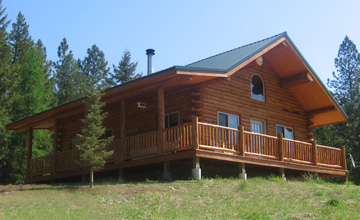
x,y
172,120
228,120
257,88
288,132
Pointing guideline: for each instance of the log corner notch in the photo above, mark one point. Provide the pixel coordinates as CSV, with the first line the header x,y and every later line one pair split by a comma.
x,y
296,80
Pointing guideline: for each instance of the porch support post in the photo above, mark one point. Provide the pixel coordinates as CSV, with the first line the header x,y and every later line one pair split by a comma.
x,y
167,173
281,147
29,153
161,121
310,128
242,141
343,163
122,149
243,174
282,173
55,144
195,132
314,153
196,171
121,176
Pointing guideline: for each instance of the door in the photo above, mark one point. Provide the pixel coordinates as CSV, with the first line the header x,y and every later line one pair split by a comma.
x,y
257,142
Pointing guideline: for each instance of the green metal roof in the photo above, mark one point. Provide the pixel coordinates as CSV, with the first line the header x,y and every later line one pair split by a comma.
x,y
226,61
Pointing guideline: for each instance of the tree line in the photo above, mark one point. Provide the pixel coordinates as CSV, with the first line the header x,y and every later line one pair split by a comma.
x,y
30,83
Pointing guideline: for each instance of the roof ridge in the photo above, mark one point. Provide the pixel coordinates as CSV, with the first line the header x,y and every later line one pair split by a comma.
x,y
277,35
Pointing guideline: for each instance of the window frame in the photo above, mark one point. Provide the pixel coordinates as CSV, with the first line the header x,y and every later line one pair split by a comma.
x,y
263,83
225,113
283,126
261,121
168,115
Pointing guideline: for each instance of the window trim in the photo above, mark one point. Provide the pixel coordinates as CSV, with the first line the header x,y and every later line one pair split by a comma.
x,y
225,113
168,115
284,130
262,80
263,122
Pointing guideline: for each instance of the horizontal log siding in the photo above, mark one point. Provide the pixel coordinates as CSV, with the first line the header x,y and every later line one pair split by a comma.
x,y
68,128
280,106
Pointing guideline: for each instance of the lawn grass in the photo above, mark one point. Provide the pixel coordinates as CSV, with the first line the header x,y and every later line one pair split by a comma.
x,y
257,198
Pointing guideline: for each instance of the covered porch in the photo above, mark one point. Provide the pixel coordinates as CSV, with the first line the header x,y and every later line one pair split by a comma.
x,y
199,140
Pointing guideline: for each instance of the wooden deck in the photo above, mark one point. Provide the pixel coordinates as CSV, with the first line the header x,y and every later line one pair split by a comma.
x,y
198,139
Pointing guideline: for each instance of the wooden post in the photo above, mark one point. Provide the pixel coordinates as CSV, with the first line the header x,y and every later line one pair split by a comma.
x,y
122,130
29,153
343,158
161,121
281,147
195,132
242,140
55,144
314,151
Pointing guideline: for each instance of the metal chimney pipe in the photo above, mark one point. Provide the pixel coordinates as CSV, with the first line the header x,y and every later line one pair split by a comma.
x,y
150,53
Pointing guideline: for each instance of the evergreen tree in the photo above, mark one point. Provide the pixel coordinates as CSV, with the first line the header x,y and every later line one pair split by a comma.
x,y
345,85
67,76
94,69
7,96
20,38
347,76
125,71
33,93
90,142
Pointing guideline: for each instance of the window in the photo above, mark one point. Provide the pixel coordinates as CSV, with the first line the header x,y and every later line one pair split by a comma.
x,y
288,132
172,120
257,88
228,120
108,133
227,138
258,126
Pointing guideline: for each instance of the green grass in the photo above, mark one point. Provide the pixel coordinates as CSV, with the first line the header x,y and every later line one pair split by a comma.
x,y
257,198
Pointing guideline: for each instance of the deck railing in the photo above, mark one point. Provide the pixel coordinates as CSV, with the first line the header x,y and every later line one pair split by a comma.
x,y
215,137
141,145
204,136
238,141
178,138
261,145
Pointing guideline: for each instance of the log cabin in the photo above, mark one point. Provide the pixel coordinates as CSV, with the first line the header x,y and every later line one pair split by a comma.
x,y
256,105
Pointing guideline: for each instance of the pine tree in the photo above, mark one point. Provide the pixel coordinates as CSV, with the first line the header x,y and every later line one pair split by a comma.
x,y
345,85
7,96
33,92
347,76
94,69
90,141
125,71
67,76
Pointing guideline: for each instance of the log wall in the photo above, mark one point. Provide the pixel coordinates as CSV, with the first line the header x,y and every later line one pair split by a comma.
x,y
234,97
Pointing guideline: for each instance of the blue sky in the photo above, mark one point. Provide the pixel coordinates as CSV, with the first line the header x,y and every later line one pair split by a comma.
x,y
182,32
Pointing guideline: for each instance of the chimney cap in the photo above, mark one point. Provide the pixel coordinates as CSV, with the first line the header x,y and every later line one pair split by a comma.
x,y
150,52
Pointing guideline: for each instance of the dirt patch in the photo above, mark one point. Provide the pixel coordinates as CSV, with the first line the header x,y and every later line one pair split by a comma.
x,y
9,188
